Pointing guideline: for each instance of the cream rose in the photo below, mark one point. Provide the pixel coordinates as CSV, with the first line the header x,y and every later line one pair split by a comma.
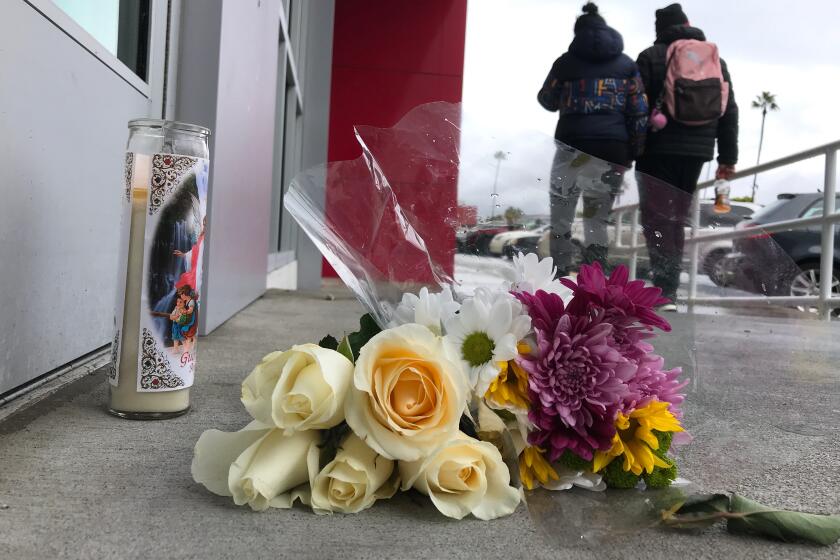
x,y
408,394
463,476
301,389
258,465
353,481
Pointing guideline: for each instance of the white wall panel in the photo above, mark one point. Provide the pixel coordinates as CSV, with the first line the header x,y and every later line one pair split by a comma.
x,y
242,121
63,117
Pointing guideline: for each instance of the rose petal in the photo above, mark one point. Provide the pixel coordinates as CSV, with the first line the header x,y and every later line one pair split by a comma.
x,y
215,451
272,465
353,480
395,366
463,476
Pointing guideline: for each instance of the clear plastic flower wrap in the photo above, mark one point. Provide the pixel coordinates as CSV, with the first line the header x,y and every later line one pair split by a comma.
x,y
442,204
528,268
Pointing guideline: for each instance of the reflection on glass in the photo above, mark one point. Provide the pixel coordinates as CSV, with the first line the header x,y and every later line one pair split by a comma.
x,y
100,18
121,26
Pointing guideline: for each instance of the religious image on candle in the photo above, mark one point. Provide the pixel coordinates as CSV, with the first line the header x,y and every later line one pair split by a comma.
x,y
172,264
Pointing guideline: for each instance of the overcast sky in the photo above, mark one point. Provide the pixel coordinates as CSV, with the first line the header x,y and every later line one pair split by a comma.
x,y
791,49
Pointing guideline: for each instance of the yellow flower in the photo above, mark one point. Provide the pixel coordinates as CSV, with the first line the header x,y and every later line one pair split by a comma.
x,y
510,388
635,440
533,468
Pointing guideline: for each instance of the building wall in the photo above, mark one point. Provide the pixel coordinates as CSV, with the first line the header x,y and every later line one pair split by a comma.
x,y
62,141
317,79
242,158
389,57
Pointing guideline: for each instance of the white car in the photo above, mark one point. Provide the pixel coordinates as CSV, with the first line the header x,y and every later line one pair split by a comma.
x,y
711,253
501,243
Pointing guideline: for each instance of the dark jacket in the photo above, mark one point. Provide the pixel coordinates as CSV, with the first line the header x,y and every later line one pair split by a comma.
x,y
676,138
598,91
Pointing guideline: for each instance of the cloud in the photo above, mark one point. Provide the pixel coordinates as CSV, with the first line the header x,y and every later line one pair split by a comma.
x,y
770,46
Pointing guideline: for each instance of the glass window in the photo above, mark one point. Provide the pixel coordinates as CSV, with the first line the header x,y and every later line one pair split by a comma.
x,y
121,26
816,209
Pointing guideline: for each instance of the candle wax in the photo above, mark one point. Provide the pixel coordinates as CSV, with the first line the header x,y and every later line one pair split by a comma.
x,y
124,396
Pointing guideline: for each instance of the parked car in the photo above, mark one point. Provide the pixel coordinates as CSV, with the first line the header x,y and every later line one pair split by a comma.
x,y
478,239
711,253
502,243
785,263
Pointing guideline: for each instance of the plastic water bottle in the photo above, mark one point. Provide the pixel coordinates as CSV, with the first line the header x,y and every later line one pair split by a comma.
x,y
722,197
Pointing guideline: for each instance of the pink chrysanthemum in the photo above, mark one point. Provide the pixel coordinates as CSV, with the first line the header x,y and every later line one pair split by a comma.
x,y
577,379
652,382
624,302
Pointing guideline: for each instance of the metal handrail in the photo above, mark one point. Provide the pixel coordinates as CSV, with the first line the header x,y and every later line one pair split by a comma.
x,y
826,221
784,225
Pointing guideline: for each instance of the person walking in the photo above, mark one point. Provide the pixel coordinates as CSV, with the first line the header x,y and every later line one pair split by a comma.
x,y
603,113
695,113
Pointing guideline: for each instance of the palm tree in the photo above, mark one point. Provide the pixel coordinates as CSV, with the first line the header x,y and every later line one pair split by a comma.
x,y
513,215
766,102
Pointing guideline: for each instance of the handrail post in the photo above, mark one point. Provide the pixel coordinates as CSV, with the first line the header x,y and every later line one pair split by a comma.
x,y
827,245
634,234
695,250
619,219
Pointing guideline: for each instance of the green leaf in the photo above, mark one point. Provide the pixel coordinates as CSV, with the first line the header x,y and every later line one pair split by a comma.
x,y
697,511
780,524
467,426
331,441
743,515
368,329
329,342
345,350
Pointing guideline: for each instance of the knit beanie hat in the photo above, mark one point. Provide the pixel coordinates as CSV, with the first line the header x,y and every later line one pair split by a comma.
x,y
590,18
668,16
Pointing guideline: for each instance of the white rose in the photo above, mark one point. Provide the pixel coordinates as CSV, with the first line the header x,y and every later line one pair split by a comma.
x,y
353,481
408,394
464,476
258,465
301,389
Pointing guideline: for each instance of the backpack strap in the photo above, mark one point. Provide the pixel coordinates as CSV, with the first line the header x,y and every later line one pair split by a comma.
x,y
660,98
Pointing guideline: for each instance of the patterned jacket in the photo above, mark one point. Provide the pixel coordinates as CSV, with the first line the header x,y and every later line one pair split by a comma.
x,y
598,91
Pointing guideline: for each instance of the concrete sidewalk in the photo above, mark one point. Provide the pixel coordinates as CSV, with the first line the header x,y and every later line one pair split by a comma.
x,y
75,482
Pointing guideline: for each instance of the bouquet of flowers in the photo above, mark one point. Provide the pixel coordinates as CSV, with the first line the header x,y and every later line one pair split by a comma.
x,y
470,392
342,423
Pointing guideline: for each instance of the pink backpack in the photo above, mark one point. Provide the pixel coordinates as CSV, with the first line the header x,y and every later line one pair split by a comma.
x,y
695,92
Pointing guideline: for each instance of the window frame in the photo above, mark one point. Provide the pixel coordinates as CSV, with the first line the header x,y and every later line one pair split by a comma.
x,y
818,205
151,89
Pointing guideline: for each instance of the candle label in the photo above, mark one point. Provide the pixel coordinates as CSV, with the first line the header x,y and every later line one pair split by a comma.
x,y
125,232
172,266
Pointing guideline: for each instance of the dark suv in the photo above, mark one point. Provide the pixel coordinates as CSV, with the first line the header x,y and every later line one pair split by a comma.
x,y
785,263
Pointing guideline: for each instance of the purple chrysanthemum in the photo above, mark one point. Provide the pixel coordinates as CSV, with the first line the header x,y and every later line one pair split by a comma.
x,y
624,302
652,382
577,378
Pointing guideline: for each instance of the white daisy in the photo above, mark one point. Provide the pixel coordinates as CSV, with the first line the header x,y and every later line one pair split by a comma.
x,y
427,309
582,479
485,333
533,273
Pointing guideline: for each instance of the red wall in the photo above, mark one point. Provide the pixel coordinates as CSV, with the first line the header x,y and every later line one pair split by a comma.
x,y
388,57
